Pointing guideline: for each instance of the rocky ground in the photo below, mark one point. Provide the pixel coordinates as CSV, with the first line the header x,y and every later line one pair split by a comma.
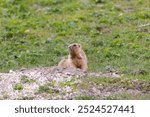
x,y
58,83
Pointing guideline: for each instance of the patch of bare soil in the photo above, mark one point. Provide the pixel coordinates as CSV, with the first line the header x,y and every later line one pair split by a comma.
x,y
52,83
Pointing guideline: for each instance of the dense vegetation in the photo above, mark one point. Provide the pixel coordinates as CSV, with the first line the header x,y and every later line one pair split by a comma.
x,y
115,34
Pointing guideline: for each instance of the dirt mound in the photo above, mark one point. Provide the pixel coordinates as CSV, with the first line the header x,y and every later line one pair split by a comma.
x,y
59,83
36,83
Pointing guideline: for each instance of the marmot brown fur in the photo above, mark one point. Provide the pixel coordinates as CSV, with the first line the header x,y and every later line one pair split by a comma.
x,y
76,58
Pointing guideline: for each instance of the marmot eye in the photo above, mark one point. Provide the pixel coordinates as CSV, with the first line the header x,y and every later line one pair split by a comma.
x,y
74,45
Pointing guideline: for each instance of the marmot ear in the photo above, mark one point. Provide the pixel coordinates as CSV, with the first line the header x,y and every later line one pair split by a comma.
x,y
69,46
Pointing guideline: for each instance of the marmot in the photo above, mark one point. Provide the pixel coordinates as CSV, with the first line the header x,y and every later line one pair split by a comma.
x,y
76,58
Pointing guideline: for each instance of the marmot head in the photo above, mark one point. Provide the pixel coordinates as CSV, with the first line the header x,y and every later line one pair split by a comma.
x,y
74,49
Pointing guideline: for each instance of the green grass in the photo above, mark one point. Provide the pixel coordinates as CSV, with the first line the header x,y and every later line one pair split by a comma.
x,y
44,89
25,79
35,33
126,96
114,89
18,86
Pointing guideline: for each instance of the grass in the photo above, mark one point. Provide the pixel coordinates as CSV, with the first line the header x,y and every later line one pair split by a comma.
x,y
126,96
44,89
121,82
35,33
18,86
25,79
114,89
